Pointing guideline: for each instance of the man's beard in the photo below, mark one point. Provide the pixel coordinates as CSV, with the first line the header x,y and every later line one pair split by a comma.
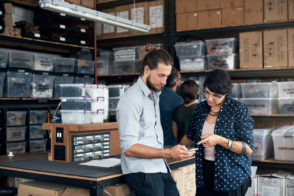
x,y
151,87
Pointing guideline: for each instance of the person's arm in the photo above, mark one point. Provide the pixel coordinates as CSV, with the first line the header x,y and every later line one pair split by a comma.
x,y
175,129
177,152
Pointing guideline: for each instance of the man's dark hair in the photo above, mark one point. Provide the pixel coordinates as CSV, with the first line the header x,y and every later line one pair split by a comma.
x,y
172,78
155,56
189,91
218,81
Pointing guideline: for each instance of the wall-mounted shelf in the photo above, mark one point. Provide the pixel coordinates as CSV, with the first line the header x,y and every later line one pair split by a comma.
x,y
274,164
39,45
15,103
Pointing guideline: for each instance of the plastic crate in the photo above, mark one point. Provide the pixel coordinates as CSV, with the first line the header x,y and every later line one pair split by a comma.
x,y
286,106
263,144
14,134
16,147
21,59
223,61
261,105
85,67
61,80
81,103
36,132
17,84
4,54
125,54
192,63
258,90
76,116
42,86
121,67
2,79
236,90
188,49
38,145
16,118
64,65
104,62
117,90
283,143
38,116
43,63
222,46
286,89
84,80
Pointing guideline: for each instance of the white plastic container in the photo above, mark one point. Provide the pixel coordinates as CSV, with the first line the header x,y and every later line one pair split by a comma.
x,y
192,63
263,144
261,105
76,117
283,139
194,48
286,106
82,103
258,90
97,117
95,90
286,89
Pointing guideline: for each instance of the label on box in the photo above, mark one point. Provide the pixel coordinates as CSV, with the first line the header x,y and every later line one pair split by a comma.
x,y
62,14
156,16
122,14
37,35
62,39
83,30
62,26
83,42
138,15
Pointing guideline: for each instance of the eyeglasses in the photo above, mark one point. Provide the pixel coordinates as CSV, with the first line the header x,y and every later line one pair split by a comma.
x,y
216,96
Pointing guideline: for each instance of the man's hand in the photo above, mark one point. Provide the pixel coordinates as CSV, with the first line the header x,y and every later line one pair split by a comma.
x,y
180,152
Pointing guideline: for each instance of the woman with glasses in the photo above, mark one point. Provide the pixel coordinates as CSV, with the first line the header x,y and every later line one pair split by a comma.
x,y
222,128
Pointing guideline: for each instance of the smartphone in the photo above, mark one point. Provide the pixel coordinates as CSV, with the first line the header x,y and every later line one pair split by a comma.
x,y
192,149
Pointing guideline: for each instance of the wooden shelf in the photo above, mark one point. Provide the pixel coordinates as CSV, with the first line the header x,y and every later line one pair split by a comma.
x,y
112,4
29,3
274,164
39,45
273,115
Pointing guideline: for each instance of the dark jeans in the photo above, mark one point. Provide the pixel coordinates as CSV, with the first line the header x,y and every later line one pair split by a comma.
x,y
208,189
152,184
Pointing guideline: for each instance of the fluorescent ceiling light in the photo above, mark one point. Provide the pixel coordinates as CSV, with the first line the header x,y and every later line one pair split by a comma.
x,y
92,15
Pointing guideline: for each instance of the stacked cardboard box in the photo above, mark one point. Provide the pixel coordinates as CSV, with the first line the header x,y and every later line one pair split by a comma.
x,y
185,180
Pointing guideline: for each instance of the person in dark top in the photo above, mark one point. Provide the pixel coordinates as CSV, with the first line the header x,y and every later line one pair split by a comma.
x,y
168,101
222,128
182,115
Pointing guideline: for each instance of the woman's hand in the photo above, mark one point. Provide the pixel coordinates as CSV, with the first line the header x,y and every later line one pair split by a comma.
x,y
210,140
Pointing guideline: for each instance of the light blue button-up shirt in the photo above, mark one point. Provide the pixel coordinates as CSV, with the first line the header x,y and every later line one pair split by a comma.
x,y
138,120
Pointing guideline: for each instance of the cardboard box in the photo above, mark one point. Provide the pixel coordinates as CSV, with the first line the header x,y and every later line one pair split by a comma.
x,y
275,48
104,1
233,17
187,21
139,13
209,19
271,186
8,8
76,2
108,30
8,20
188,6
275,10
250,51
118,190
156,16
291,47
177,175
189,182
35,188
204,5
232,3
88,3
74,191
291,9
253,12
123,12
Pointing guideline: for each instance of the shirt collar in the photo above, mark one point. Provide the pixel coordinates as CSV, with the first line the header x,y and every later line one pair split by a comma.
x,y
145,89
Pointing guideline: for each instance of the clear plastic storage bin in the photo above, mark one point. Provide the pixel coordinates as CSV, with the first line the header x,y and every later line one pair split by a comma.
x,y
236,90
121,67
61,80
258,90
76,116
42,85
117,90
14,134
85,67
84,80
104,62
16,147
38,145
4,54
283,139
81,103
2,78
21,59
286,106
261,105
223,46
97,116
82,90
38,116
18,84
113,102
188,49
64,65
192,63
286,89
223,61
263,144
36,132
16,118
43,63
125,53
